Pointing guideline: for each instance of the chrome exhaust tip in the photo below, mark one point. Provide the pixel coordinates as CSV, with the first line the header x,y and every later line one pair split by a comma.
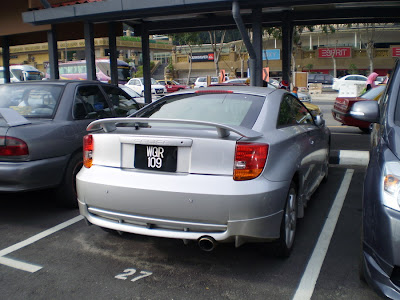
x,y
207,243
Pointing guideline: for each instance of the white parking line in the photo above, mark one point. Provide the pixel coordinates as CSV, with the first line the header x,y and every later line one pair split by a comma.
x,y
310,276
26,266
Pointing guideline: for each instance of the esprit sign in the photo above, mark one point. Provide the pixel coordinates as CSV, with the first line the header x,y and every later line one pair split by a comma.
x,y
332,52
198,57
396,51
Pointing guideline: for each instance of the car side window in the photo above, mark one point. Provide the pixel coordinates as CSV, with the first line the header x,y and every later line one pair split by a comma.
x,y
292,112
286,115
90,103
122,103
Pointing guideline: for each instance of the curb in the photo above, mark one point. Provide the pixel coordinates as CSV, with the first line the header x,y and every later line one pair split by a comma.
x,y
349,157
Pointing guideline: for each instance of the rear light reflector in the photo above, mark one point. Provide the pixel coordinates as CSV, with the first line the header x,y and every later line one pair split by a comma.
x,y
250,160
87,150
10,146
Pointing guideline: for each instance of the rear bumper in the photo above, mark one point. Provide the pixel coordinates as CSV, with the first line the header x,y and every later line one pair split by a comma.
x,y
31,175
182,206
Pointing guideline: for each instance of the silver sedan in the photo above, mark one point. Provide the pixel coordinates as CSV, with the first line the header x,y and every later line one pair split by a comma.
x,y
222,164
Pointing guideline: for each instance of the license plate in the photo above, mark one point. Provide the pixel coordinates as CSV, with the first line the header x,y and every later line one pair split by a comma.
x,y
157,158
159,91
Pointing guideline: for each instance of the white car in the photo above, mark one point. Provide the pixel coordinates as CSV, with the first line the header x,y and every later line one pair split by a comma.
x,y
137,84
348,80
136,96
202,82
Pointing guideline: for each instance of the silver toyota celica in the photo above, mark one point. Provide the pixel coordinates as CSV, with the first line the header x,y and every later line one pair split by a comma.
x,y
221,164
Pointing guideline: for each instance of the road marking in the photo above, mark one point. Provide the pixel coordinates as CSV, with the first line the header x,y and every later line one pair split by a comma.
x,y
26,266
307,284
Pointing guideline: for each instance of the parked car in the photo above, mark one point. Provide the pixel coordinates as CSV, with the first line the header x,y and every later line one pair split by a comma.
x,y
137,84
202,82
236,80
42,124
325,79
135,96
348,80
380,255
341,108
236,164
172,85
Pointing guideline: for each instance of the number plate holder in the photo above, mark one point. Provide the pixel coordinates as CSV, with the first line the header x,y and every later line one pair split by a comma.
x,y
156,158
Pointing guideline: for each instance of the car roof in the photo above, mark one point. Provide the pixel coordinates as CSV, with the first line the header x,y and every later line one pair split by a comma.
x,y
56,82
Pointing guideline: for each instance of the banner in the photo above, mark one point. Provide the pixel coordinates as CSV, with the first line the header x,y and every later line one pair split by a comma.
x,y
396,51
274,54
221,76
201,57
265,75
342,52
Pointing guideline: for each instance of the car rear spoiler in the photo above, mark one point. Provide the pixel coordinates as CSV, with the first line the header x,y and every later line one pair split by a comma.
x,y
12,117
223,130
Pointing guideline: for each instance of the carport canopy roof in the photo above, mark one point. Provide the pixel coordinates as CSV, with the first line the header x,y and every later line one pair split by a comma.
x,y
172,16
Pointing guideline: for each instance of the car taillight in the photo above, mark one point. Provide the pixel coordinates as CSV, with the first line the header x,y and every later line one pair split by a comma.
x,y
11,146
250,160
87,150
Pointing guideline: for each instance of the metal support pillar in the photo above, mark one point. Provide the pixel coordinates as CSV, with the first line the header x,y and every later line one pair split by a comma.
x,y
112,43
246,40
287,41
53,53
257,44
6,58
89,51
146,63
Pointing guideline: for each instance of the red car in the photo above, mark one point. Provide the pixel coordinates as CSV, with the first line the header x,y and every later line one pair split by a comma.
x,y
342,107
172,85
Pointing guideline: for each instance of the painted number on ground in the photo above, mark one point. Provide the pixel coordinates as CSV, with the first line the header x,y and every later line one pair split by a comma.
x,y
131,273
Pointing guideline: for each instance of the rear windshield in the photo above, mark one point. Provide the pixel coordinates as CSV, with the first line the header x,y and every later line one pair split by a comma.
x,y
225,108
374,92
30,100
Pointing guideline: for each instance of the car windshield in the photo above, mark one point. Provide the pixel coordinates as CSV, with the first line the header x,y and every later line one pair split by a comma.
x,y
374,92
30,100
225,108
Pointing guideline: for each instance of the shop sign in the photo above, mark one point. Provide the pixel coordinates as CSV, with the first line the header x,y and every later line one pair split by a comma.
x,y
274,54
396,51
201,57
341,52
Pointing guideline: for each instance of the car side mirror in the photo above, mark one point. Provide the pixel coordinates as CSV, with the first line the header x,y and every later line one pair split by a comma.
x,y
366,111
319,121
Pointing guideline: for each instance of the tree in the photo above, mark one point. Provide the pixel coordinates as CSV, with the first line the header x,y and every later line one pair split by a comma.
x,y
368,39
327,29
217,47
190,39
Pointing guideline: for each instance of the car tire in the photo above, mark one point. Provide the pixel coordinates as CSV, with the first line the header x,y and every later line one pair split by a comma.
x,y
284,244
66,192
